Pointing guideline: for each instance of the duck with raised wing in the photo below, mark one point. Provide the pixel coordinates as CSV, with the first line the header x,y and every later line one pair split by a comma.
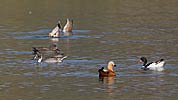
x,y
155,66
68,26
56,31
107,72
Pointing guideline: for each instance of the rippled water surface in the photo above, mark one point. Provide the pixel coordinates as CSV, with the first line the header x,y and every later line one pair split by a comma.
x,y
104,30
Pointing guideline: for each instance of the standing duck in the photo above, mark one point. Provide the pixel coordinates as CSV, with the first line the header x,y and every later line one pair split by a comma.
x,y
56,31
68,26
107,72
155,66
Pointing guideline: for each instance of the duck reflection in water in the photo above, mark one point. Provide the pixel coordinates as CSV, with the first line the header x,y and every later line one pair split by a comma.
x,y
107,80
54,40
108,83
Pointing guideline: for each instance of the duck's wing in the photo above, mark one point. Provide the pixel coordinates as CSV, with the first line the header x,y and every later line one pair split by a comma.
x,y
156,66
161,60
54,59
147,65
103,72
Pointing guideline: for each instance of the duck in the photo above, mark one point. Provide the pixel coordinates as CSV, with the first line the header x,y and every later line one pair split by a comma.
x,y
68,26
155,66
107,72
37,51
54,59
56,31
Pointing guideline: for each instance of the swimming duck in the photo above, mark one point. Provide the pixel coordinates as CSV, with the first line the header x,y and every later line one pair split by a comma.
x,y
55,59
156,66
107,72
68,26
37,51
56,31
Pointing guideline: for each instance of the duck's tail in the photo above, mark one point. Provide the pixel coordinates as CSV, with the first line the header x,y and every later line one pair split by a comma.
x,y
101,69
63,58
159,61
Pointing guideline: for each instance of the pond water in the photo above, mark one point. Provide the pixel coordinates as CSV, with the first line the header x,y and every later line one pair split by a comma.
x,y
104,30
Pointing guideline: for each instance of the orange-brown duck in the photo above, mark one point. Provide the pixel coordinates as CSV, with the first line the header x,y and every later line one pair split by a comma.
x,y
107,72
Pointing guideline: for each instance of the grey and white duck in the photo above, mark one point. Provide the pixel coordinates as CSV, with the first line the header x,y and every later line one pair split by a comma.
x,y
54,59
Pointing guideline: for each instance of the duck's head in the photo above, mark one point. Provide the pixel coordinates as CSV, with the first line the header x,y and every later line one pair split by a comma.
x,y
111,64
142,59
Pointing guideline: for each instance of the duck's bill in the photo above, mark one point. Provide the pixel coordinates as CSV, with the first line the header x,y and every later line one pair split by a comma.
x,y
139,61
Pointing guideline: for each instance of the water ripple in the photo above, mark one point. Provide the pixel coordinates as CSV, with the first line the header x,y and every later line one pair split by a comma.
x,y
42,31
